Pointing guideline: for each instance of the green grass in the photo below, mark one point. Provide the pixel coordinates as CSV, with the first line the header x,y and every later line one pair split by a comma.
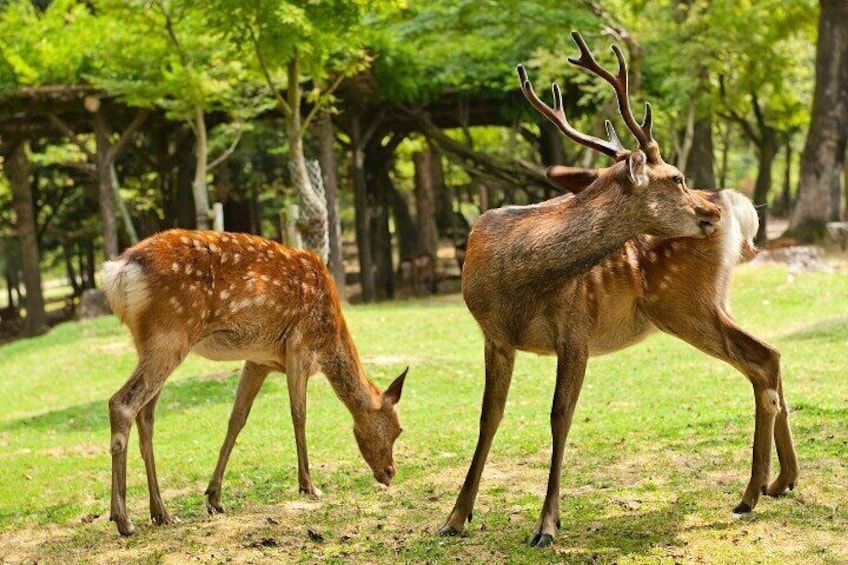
x,y
657,456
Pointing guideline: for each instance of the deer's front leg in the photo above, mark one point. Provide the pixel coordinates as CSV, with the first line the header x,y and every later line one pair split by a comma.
x,y
571,368
252,377
297,378
499,364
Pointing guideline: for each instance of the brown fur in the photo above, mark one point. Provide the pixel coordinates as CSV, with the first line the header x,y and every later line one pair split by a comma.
x,y
236,297
677,285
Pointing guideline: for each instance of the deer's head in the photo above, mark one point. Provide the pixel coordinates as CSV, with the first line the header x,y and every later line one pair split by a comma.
x,y
652,190
377,430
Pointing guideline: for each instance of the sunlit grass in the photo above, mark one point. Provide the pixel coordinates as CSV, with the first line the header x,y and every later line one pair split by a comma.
x,y
657,456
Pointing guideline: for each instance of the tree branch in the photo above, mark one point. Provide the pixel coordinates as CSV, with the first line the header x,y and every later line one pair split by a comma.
x,y
66,129
125,136
284,106
318,103
518,172
227,152
747,128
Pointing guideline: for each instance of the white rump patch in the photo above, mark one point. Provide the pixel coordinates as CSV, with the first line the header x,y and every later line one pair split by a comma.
x,y
743,226
125,286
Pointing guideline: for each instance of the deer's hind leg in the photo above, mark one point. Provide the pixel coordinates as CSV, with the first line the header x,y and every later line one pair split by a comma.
x,y
299,368
717,335
156,363
144,423
499,365
252,377
571,369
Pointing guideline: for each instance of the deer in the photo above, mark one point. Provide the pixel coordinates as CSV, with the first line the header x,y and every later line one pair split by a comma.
x,y
229,297
521,274
417,274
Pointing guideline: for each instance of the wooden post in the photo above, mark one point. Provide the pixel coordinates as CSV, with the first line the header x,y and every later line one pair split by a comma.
x,y
218,214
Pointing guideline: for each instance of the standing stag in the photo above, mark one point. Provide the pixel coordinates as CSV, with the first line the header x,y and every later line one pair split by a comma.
x,y
521,274
235,297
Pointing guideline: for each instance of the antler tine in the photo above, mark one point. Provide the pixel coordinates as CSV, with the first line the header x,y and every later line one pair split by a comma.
x,y
643,131
612,148
613,136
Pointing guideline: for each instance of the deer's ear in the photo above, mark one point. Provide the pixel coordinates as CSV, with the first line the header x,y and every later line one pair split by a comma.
x,y
572,179
637,169
392,394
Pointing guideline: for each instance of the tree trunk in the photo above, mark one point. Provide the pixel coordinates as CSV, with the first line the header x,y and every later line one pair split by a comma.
x,y
551,152
699,165
442,198
68,255
836,197
201,152
104,188
786,193
405,227
767,152
329,167
378,167
314,208
129,227
725,153
362,212
89,266
824,151
18,170
428,238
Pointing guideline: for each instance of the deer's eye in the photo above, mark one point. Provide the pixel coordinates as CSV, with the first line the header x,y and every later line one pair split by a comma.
x,y
678,180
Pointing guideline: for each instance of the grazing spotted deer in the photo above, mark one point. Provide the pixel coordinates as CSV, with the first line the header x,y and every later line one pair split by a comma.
x,y
520,279
236,297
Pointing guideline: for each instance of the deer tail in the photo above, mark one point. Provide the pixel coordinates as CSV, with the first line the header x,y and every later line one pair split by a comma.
x,y
125,286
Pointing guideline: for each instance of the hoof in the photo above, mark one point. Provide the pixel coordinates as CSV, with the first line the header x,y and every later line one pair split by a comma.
x,y
161,519
449,531
312,491
742,509
778,488
213,508
125,525
540,540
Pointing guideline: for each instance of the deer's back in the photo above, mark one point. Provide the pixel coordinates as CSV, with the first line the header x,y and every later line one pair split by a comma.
x,y
230,296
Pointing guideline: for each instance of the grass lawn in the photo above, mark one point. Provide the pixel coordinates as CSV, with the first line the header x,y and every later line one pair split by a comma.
x,y
658,454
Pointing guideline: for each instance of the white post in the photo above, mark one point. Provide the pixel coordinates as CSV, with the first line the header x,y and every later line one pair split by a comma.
x,y
218,216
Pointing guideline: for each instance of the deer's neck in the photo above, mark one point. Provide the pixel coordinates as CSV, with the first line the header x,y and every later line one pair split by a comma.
x,y
553,243
584,231
341,365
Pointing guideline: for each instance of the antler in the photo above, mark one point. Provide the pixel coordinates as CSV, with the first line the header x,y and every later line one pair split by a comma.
x,y
641,131
612,147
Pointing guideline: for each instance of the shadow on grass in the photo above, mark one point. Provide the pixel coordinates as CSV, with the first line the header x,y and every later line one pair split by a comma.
x,y
176,396
830,330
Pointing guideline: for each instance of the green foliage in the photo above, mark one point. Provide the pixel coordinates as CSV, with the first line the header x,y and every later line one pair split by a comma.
x,y
55,46
467,46
325,36
180,64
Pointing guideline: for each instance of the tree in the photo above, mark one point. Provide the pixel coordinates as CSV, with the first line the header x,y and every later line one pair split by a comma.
x,y
759,83
824,151
301,50
61,46
18,170
169,57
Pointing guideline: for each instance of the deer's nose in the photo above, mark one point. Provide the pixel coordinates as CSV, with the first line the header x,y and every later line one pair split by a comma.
x,y
708,217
